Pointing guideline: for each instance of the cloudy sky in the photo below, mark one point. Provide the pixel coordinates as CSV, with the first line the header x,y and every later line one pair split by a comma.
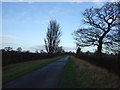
x,y
24,24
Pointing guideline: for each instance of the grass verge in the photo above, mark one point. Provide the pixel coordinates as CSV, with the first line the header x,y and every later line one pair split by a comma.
x,y
69,79
15,71
81,74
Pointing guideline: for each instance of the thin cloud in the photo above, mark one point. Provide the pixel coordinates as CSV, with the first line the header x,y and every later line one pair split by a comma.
x,y
99,4
6,44
9,37
42,47
30,2
37,47
7,40
68,48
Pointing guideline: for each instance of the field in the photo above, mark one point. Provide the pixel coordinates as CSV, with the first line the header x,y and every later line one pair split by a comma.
x,y
13,71
81,74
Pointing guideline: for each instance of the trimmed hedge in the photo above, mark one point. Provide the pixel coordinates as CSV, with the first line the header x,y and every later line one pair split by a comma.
x,y
16,57
109,62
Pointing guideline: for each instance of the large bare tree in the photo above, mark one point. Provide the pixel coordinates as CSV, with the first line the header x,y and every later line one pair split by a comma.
x,y
52,37
102,26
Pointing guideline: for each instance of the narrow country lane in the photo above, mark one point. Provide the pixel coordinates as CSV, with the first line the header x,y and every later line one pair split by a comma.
x,y
47,77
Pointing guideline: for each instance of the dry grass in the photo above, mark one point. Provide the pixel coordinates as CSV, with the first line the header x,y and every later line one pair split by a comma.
x,y
91,76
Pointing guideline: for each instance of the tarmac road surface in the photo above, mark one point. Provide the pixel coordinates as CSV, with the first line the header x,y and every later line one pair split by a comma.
x,y
48,76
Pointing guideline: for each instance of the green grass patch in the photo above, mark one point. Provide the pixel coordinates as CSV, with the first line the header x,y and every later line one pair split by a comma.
x,y
69,79
14,71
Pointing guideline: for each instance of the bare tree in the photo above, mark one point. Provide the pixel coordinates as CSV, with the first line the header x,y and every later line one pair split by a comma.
x,y
115,38
19,49
60,50
78,51
8,49
102,25
42,51
52,37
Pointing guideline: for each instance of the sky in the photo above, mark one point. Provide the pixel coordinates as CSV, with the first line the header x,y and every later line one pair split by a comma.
x,y
24,24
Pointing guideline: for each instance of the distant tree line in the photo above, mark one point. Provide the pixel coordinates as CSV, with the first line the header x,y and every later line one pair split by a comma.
x,y
10,56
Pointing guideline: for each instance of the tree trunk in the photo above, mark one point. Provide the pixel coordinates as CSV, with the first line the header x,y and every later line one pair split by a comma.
x,y
99,49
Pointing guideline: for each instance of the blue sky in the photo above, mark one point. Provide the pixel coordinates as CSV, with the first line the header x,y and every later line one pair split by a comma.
x,y
24,24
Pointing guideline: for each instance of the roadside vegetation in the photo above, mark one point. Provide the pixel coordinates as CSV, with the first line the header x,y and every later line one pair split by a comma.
x,y
82,74
13,71
69,79
108,62
13,57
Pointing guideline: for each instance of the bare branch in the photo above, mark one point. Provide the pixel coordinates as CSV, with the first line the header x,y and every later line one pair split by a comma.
x,y
52,37
103,21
